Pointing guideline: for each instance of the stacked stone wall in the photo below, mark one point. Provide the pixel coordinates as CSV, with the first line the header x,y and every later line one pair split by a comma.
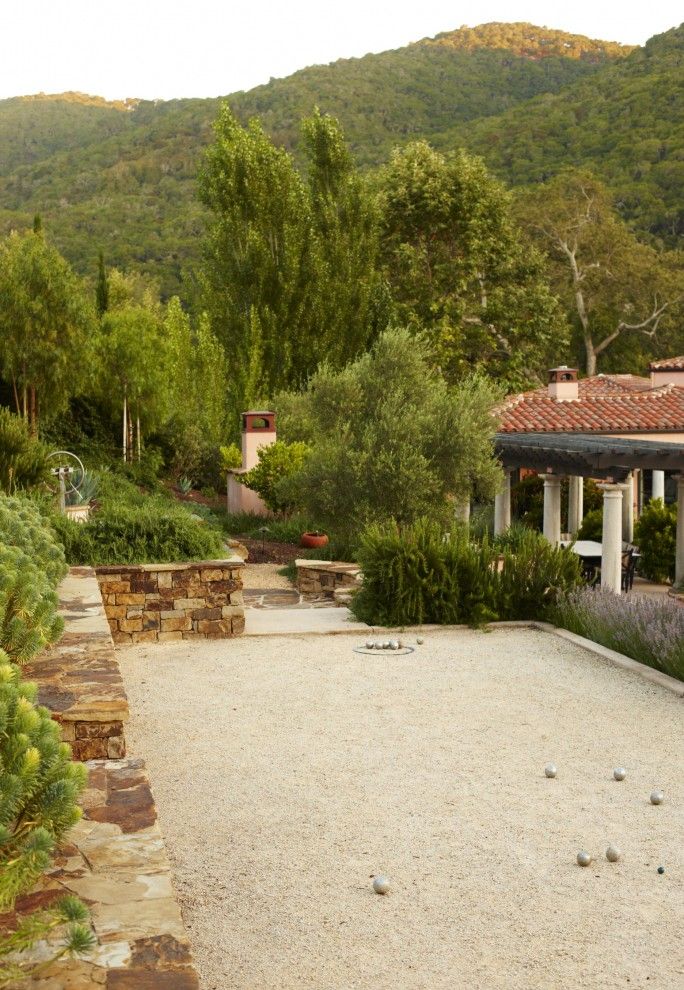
x,y
322,578
165,602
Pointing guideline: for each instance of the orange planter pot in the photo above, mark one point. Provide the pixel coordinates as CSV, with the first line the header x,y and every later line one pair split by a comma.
x,y
313,540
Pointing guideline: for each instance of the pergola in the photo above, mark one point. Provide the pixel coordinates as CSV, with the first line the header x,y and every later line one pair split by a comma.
x,y
579,456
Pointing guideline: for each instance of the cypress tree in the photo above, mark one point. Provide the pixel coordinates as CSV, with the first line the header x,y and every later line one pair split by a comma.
x,y
102,288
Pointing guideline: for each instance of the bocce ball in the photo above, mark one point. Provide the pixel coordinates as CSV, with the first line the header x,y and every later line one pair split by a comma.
x,y
619,773
657,797
550,770
381,884
661,870
420,641
584,858
370,644
613,854
393,644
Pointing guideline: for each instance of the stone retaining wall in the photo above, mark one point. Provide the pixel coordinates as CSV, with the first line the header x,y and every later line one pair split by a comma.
x,y
78,678
162,602
322,578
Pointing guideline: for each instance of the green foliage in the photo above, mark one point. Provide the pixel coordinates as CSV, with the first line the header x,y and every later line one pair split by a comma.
x,y
592,526
44,349
135,527
23,459
23,527
39,785
102,287
278,462
199,396
618,291
290,274
416,574
462,270
655,533
231,457
66,917
527,501
389,439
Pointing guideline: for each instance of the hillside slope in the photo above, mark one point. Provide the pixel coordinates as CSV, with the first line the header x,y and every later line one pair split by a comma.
x,y
121,177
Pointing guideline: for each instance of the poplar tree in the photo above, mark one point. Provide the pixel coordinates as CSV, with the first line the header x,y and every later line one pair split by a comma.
x,y
102,287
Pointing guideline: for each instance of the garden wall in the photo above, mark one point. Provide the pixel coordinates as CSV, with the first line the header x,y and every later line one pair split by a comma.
x,y
162,602
322,578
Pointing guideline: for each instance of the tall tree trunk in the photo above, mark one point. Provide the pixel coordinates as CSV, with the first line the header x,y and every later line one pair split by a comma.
x,y
33,421
137,424
591,355
17,403
125,426
130,436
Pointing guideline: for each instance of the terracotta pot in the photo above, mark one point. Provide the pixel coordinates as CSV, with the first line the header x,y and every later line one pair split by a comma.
x,y
313,540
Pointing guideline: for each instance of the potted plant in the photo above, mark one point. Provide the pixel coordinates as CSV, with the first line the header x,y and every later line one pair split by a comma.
x,y
314,539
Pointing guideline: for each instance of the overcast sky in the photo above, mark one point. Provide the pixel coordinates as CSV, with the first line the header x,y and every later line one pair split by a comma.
x,y
171,48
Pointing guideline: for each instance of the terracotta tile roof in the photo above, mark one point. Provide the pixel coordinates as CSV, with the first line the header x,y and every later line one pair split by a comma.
x,y
668,364
606,404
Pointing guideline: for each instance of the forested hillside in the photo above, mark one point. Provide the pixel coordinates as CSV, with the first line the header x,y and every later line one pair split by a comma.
x,y
121,177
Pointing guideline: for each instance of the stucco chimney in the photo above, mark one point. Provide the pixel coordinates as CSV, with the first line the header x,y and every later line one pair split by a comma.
x,y
669,371
258,430
563,384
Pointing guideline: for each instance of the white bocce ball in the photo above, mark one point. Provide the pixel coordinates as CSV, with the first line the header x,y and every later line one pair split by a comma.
x,y
550,769
381,884
613,854
619,773
370,644
420,641
394,645
584,858
657,797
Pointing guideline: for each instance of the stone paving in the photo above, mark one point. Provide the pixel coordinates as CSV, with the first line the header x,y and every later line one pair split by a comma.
x,y
281,598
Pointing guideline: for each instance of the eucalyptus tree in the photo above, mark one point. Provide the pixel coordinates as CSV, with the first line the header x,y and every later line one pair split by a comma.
x,y
462,271
615,288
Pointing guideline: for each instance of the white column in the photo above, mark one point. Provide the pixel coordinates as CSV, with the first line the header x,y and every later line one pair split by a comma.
x,y
575,504
658,485
611,558
552,507
462,510
628,509
502,507
679,552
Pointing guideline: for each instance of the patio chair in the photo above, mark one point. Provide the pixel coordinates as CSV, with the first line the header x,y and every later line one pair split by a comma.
x,y
629,559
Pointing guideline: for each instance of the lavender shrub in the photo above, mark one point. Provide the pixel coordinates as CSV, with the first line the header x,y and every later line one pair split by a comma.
x,y
649,629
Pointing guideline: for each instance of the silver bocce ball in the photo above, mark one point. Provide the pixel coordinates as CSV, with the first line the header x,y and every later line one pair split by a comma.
x,y
584,858
550,769
369,644
657,797
394,645
381,884
420,641
619,773
613,854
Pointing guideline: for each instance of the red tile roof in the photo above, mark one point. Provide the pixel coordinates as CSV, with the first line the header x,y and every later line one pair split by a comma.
x,y
606,404
668,364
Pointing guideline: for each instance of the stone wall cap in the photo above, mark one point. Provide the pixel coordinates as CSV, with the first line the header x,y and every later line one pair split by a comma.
x,y
226,562
336,566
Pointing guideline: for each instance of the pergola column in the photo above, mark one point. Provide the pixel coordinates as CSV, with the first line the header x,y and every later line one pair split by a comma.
x,y
552,508
658,485
679,552
611,558
628,509
575,504
502,507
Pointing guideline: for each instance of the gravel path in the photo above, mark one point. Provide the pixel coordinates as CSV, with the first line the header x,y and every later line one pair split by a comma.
x,y
264,576
288,771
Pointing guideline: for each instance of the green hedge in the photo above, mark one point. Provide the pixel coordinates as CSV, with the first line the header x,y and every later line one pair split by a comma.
x,y
154,533
416,574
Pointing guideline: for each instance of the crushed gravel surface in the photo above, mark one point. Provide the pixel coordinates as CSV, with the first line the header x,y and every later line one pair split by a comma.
x,y
288,771
264,576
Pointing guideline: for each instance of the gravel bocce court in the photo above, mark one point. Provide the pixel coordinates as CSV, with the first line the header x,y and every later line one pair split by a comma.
x,y
288,771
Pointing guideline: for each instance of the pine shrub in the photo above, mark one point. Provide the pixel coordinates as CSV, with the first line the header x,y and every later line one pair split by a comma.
x,y
28,607
39,785
23,526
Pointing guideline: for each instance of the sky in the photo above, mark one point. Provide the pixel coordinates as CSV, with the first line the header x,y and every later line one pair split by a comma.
x,y
161,49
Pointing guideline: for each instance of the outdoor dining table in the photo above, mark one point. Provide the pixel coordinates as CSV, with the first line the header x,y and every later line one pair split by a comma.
x,y
587,549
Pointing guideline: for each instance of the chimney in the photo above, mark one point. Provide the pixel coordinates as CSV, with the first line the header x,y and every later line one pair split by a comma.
x,y
258,430
667,372
563,385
